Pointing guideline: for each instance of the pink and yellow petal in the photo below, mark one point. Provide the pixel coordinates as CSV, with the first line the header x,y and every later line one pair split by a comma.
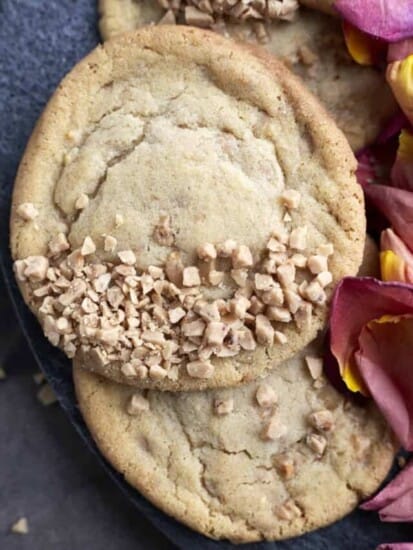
x,y
396,205
383,358
400,78
402,171
396,260
363,48
392,21
392,267
356,302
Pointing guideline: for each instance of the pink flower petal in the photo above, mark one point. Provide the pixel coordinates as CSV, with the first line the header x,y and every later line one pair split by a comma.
x,y
356,302
402,171
400,50
396,546
396,205
402,483
384,360
396,260
399,75
387,19
401,510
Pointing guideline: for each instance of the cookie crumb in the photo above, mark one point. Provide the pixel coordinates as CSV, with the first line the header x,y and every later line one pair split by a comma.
x,y
207,252
280,337
88,247
27,211
200,369
119,220
242,257
298,238
127,257
137,404
162,233
273,430
285,467
223,406
322,420
314,365
110,243
264,330
325,249
20,527
58,244
288,511
324,278
265,396
317,443
46,395
191,276
82,202
317,263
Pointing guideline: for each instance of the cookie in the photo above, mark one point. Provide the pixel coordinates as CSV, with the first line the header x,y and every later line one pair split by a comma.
x,y
134,218
266,461
312,46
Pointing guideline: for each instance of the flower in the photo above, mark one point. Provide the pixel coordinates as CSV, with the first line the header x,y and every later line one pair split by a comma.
x,y
402,171
396,260
371,337
392,21
363,48
395,501
396,205
400,78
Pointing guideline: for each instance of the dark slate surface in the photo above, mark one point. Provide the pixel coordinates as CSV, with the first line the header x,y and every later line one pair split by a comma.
x,y
46,473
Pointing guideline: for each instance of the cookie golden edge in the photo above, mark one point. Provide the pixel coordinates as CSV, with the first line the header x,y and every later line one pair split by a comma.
x,y
335,156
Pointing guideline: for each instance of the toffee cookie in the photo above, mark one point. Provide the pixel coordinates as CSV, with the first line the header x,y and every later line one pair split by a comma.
x,y
312,46
263,461
183,212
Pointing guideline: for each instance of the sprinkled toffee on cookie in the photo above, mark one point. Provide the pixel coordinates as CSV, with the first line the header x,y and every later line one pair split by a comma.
x,y
155,325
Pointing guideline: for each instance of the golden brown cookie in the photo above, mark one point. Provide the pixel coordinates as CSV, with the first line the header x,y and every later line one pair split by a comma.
x,y
266,461
155,148
312,46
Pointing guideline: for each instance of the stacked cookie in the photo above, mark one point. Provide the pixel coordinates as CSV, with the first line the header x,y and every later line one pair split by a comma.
x,y
182,214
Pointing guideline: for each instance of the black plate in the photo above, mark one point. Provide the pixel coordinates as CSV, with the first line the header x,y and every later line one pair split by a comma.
x,y
40,40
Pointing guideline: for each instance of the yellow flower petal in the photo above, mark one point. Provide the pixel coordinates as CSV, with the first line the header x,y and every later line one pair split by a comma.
x,y
405,150
393,268
400,78
352,378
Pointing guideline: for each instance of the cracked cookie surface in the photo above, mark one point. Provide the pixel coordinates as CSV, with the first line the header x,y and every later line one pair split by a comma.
x,y
182,121
312,46
262,461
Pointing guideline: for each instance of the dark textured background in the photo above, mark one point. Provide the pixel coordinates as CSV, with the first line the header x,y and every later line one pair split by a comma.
x,y
46,472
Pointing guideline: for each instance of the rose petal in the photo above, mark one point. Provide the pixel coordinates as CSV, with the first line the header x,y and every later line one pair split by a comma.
x,y
399,75
401,510
396,205
357,301
384,360
363,48
396,260
399,50
385,19
402,171
396,546
402,483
